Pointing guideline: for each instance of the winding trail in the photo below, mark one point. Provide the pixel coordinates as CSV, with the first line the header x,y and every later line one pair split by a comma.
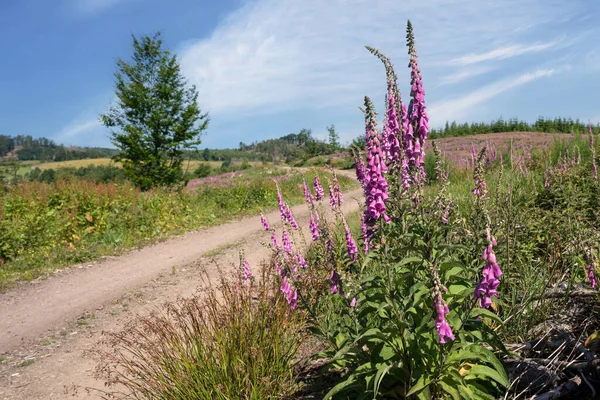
x,y
46,326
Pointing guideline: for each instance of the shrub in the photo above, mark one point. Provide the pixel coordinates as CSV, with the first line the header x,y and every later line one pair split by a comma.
x,y
238,342
202,171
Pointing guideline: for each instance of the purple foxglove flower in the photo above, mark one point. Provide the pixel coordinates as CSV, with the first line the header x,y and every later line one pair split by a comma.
x,y
376,185
291,295
491,274
441,325
336,199
279,270
591,275
336,283
314,229
274,241
301,261
353,302
359,166
392,130
405,174
282,205
446,214
319,192
264,222
287,242
350,243
417,116
307,195
363,228
290,218
285,211
247,274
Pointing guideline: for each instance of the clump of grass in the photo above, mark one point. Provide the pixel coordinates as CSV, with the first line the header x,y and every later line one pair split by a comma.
x,y
237,341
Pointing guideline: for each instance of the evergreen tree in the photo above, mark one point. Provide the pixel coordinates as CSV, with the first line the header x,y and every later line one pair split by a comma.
x,y
156,117
334,137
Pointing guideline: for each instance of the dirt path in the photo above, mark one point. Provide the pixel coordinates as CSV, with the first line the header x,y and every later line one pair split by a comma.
x,y
46,326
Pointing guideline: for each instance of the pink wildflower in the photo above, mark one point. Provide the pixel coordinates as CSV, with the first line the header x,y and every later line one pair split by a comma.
x,y
264,222
291,295
591,275
491,274
319,192
419,121
441,325
307,195
287,242
376,184
247,274
336,283
350,243
301,261
364,230
274,241
314,229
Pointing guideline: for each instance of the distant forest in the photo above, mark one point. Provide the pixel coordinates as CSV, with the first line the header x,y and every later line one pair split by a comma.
x,y
288,148
556,125
25,148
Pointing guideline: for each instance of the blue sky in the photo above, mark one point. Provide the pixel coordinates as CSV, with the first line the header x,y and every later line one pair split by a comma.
x,y
265,68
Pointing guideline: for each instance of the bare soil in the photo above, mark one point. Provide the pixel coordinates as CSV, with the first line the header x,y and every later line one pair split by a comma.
x,y
47,325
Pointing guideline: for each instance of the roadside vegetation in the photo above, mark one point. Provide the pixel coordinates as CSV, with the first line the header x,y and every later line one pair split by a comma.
x,y
47,225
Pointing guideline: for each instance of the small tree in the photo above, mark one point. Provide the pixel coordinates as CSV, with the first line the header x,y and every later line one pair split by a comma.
x,y
156,117
334,137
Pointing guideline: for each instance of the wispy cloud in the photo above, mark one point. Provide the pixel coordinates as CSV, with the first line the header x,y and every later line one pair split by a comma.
x,y
458,108
464,74
502,53
285,54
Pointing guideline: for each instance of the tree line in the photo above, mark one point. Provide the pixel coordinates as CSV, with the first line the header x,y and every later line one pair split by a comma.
x,y
549,125
26,148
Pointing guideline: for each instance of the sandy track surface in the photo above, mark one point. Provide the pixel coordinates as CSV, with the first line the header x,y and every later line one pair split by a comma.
x,y
46,326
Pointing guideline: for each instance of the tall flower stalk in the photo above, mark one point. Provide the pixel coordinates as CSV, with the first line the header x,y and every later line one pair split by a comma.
x,y
376,183
417,115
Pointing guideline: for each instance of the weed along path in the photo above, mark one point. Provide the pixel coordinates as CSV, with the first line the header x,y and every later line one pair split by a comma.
x,y
47,326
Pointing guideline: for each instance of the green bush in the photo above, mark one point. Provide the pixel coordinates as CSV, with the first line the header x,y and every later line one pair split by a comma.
x,y
203,170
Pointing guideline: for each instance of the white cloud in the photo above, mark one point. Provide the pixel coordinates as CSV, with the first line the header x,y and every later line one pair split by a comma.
x,y
273,55
502,53
458,108
77,128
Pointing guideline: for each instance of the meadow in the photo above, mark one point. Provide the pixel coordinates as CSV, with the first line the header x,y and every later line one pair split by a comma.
x,y
44,226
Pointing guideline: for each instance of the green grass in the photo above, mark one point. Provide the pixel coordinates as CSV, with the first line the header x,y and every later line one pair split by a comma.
x,y
46,226
235,342
27,363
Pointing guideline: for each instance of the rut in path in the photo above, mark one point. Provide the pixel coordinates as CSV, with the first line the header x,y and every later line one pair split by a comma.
x,y
52,322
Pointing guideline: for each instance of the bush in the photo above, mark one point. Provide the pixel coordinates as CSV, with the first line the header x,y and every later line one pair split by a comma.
x,y
238,342
203,170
